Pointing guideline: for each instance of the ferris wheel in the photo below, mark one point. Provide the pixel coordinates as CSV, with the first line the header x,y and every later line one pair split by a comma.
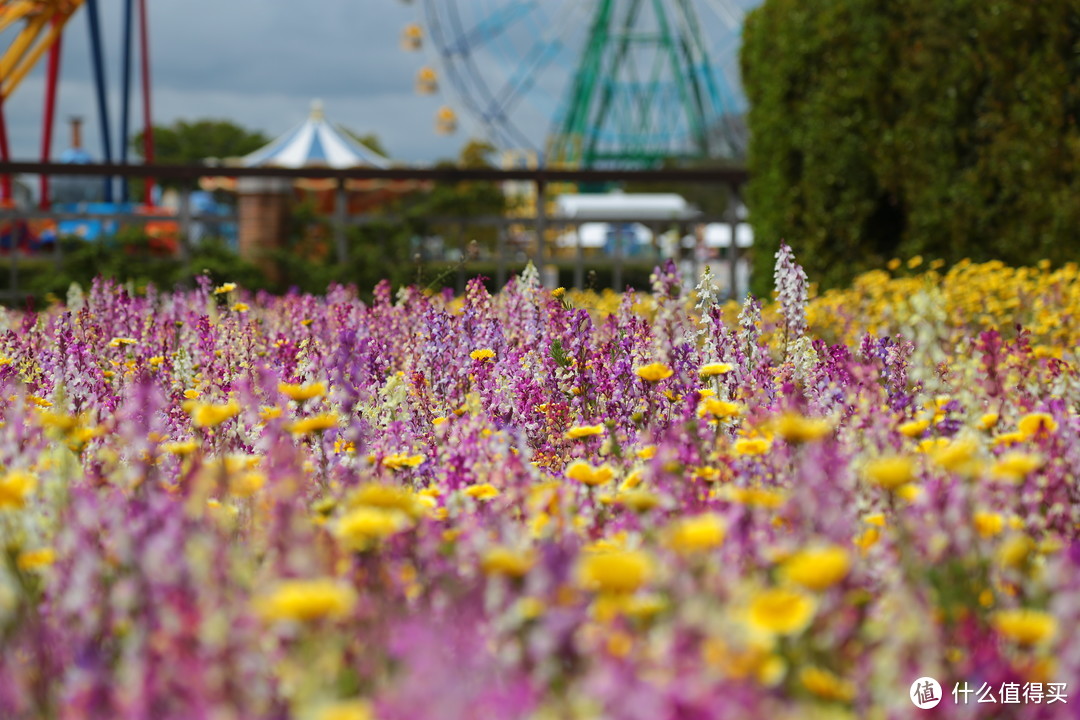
x,y
589,82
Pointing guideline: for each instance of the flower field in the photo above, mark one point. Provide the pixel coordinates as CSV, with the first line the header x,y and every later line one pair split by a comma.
x,y
222,505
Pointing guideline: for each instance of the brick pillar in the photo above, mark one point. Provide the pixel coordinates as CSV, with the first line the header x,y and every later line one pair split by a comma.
x,y
263,209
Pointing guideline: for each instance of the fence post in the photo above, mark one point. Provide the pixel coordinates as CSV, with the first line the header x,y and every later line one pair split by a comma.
x,y
14,268
462,259
341,215
540,225
732,213
579,260
616,273
500,253
185,224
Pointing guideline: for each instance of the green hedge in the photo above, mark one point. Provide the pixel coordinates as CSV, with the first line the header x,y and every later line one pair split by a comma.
x,y
129,258
883,129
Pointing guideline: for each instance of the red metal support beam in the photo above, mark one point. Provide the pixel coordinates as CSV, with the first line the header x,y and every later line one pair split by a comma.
x,y
5,156
51,82
148,124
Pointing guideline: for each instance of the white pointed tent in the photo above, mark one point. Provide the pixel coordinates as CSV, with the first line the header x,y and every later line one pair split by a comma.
x,y
314,143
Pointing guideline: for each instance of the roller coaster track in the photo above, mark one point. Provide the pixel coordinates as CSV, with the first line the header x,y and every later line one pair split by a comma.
x,y
43,22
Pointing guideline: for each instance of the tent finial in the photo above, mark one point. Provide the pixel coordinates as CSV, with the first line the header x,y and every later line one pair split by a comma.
x,y
316,110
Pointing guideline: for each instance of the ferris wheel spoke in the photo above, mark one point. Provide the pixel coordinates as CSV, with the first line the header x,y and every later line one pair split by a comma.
x,y
491,27
539,58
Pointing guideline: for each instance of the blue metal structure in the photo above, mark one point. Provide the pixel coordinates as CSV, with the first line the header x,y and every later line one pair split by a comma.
x,y
99,85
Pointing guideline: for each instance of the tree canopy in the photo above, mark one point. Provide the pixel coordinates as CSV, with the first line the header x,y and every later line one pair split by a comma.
x,y
882,129
190,142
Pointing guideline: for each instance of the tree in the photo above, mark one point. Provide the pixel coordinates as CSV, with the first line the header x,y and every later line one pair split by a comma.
x,y
883,129
191,143
369,140
464,199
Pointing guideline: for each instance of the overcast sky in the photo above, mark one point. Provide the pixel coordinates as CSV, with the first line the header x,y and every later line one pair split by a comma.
x,y
259,63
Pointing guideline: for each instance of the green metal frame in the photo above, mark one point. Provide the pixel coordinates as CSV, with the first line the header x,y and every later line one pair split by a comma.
x,y
618,113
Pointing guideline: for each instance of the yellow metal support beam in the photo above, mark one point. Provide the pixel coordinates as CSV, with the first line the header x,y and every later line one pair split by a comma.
x,y
44,21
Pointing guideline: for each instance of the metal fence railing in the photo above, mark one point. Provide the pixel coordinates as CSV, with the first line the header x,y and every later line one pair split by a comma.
x,y
538,235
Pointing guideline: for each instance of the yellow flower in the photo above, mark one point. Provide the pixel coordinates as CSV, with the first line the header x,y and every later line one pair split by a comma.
x,y
867,539
270,412
121,341
15,487
210,415
345,710
306,600
504,561
389,497
186,447
1009,438
365,526
654,372
558,293
714,369
240,307
929,445
156,361
719,409
57,420
583,472
246,484
752,446
696,534
226,288
958,456
302,392
781,611
191,394
915,262
876,519
483,491
1015,466
315,423
987,421
752,496
826,685
637,500
817,568
1036,424
1024,626
614,572
646,453
632,480
396,461
581,431
796,428
35,559
914,428
988,524
483,354
890,472
1015,551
